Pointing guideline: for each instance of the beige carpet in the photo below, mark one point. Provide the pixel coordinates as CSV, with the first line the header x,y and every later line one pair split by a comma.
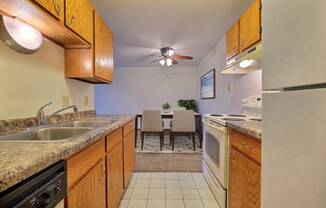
x,y
182,159
182,144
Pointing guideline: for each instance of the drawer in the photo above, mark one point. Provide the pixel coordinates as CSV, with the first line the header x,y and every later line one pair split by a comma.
x,y
249,146
81,163
113,139
129,127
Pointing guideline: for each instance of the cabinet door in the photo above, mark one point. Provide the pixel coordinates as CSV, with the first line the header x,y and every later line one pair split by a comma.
x,y
103,49
250,26
244,182
115,175
129,156
55,7
90,190
79,18
232,41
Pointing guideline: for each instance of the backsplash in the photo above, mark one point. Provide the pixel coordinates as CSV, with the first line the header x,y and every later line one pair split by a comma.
x,y
17,125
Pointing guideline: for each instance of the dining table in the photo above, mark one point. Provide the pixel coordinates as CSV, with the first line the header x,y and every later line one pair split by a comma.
x,y
169,115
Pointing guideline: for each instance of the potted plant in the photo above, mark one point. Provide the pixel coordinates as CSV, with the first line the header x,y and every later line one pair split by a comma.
x,y
166,107
188,104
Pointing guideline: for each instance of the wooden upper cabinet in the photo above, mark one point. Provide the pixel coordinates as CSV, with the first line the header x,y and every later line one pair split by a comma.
x,y
103,49
55,7
79,18
93,65
232,41
250,26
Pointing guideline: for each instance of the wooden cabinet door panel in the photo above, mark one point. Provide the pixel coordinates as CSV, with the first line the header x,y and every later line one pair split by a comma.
x,y
244,181
232,41
129,156
90,190
55,7
103,49
115,175
79,18
250,25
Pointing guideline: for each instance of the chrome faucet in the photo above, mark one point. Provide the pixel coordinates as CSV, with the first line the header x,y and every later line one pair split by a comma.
x,y
66,108
40,114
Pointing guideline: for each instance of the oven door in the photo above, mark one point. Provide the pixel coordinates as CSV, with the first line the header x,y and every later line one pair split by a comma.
x,y
216,150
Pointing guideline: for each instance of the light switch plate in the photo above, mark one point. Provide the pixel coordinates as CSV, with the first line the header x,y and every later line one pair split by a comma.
x,y
65,101
86,101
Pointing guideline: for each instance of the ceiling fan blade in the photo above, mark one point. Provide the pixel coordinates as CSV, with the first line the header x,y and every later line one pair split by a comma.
x,y
182,57
174,61
156,60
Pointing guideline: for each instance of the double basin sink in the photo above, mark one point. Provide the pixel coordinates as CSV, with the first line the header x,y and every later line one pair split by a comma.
x,y
54,133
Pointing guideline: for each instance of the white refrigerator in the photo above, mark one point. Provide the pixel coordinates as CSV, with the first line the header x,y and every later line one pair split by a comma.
x,y
294,117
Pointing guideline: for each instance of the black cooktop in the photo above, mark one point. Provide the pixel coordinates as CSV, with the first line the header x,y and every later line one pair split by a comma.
x,y
217,115
236,115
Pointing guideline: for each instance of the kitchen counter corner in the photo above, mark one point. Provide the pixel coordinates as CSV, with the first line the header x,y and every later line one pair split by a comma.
x,y
250,128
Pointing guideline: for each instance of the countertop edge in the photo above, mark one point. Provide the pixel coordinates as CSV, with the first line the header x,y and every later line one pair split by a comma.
x,y
20,173
250,128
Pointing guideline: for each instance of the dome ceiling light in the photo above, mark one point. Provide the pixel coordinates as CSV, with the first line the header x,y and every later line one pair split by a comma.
x,y
20,36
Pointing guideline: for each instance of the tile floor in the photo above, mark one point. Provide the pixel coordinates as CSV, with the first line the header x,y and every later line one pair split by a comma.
x,y
168,190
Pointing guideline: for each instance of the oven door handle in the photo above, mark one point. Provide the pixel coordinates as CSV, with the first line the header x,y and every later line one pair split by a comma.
x,y
222,129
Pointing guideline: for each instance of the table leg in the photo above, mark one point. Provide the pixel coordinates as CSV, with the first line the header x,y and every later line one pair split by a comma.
x,y
136,130
199,130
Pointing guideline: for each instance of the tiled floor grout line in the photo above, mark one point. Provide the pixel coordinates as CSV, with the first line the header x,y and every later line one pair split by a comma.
x,y
180,178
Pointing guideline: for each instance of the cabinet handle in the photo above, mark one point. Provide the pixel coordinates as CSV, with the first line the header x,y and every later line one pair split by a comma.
x,y
103,167
246,147
56,7
72,21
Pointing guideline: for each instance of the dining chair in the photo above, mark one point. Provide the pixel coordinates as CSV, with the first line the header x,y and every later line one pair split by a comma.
x,y
152,124
183,122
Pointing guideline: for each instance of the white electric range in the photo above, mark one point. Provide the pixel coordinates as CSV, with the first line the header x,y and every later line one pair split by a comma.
x,y
216,145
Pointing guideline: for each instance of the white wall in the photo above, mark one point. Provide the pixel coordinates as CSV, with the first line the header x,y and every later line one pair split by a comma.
x,y
240,86
29,81
138,88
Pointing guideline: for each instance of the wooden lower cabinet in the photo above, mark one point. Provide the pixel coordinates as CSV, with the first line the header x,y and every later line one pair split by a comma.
x,y
90,190
115,175
129,156
98,175
244,173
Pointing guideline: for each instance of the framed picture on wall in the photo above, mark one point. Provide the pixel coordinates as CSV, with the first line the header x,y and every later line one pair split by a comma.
x,y
207,85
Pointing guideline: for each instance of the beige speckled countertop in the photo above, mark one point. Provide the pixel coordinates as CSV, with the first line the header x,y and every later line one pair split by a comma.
x,y
251,128
20,160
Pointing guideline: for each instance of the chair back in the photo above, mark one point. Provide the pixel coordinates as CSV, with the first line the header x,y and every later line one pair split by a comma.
x,y
183,121
151,121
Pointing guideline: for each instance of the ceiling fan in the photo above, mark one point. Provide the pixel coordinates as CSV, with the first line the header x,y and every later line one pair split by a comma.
x,y
168,57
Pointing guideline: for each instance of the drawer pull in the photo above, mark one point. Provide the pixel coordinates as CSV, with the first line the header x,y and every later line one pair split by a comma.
x,y
246,147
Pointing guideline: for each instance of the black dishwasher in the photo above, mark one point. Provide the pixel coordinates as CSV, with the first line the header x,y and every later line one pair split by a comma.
x,y
45,189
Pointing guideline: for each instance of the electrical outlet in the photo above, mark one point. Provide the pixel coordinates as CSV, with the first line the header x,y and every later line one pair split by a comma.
x,y
65,101
86,101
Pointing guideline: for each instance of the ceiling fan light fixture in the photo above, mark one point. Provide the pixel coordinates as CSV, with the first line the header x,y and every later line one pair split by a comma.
x,y
162,62
169,62
170,52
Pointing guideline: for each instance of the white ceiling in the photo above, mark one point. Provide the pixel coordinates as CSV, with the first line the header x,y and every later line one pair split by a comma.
x,y
191,27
